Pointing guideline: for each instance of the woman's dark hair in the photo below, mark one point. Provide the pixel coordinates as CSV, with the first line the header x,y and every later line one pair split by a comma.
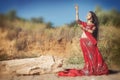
x,y
96,23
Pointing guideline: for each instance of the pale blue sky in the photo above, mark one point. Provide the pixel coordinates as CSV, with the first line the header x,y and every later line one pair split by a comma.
x,y
59,12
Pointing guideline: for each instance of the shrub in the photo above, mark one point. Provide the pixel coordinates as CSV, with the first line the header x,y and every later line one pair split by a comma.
x,y
21,44
13,33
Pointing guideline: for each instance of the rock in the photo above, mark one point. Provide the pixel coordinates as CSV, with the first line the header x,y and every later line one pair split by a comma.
x,y
40,65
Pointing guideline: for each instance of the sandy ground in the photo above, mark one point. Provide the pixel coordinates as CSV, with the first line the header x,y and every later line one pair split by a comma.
x,y
114,75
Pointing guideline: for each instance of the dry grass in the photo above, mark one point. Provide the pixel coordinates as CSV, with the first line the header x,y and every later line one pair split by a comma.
x,y
109,45
24,39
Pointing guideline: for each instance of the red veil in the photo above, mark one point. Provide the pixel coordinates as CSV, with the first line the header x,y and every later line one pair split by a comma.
x,y
94,63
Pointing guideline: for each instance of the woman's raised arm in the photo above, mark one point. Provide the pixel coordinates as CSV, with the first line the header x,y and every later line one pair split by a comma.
x,y
77,12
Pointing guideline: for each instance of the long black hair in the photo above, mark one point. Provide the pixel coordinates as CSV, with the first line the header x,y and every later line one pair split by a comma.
x,y
96,23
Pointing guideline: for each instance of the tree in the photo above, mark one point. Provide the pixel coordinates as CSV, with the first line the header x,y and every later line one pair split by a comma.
x,y
108,17
98,9
49,25
11,15
72,24
37,20
2,20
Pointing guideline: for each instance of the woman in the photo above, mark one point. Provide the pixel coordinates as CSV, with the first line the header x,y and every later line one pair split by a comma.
x,y
94,64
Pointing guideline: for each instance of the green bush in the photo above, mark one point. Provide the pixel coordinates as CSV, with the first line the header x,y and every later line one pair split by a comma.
x,y
108,18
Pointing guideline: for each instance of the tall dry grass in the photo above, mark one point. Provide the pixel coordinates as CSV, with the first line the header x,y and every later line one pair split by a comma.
x,y
25,39
109,45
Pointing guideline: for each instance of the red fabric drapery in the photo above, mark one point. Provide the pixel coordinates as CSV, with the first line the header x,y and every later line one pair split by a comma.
x,y
94,63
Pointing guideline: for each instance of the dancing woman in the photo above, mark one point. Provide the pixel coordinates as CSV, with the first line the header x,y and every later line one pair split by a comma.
x,y
94,63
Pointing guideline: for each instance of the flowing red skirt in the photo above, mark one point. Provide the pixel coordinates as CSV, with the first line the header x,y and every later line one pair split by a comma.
x,y
94,63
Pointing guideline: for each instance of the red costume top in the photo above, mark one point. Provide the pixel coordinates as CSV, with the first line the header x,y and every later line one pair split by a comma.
x,y
88,34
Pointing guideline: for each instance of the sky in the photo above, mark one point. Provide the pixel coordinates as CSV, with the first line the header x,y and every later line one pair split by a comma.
x,y
59,12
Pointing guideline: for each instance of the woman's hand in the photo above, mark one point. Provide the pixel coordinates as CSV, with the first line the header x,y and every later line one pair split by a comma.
x,y
83,28
76,7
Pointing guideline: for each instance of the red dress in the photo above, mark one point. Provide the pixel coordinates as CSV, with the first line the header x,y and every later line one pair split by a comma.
x,y
94,63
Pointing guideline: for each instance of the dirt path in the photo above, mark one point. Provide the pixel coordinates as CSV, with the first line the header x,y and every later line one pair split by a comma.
x,y
111,76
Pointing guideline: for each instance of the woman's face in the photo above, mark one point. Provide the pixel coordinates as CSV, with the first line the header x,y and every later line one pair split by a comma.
x,y
89,16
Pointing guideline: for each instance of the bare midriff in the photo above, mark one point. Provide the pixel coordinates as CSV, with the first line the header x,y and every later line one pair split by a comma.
x,y
83,35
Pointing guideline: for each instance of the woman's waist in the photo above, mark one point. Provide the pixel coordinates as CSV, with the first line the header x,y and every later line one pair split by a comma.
x,y
83,35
